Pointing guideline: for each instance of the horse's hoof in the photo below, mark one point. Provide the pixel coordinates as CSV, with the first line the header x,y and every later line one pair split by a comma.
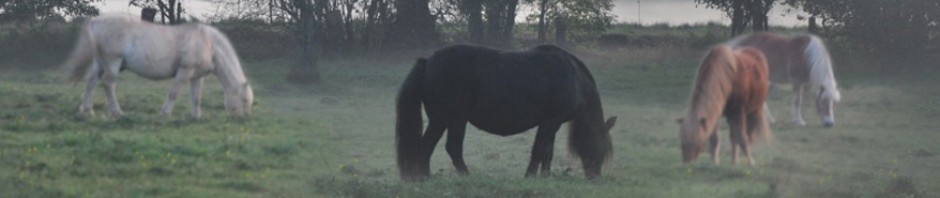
x,y
117,114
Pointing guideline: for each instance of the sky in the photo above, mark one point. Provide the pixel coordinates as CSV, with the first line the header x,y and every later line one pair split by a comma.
x,y
673,12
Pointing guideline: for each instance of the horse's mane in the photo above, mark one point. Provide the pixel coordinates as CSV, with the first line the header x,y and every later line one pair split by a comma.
x,y
227,64
714,80
818,59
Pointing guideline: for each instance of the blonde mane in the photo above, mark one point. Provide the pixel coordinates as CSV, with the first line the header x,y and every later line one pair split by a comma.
x,y
713,84
821,75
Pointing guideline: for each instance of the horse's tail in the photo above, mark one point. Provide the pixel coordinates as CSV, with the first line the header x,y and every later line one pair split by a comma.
x,y
820,65
761,129
408,122
82,55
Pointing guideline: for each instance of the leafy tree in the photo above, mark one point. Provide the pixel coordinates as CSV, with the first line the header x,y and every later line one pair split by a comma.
x,y
171,11
25,10
414,25
584,18
743,12
900,26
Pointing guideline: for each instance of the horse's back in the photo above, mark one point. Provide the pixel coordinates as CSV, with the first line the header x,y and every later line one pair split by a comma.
x,y
498,91
752,77
152,50
783,54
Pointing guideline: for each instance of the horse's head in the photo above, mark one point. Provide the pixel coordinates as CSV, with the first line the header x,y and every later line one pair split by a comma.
x,y
691,137
592,144
825,103
239,99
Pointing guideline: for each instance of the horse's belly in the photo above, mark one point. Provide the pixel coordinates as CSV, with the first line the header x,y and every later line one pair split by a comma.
x,y
151,70
506,120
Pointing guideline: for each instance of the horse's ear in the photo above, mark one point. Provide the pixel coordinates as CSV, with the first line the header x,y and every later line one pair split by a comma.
x,y
679,120
610,122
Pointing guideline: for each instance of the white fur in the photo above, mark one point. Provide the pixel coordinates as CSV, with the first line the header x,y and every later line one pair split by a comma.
x,y
185,53
817,57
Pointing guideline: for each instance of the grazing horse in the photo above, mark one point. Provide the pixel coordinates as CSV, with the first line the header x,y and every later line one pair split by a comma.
x,y
732,83
802,61
503,93
110,44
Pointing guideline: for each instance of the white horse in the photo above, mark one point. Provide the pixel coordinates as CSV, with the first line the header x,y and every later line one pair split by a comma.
x,y
802,61
110,44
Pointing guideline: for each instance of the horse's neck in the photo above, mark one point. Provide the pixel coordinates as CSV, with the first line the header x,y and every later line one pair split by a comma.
x,y
229,75
711,94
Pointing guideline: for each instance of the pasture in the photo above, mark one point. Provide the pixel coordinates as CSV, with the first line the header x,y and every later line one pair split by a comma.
x,y
337,139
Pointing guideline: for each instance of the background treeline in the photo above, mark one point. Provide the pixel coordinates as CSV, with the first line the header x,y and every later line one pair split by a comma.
x,y
314,30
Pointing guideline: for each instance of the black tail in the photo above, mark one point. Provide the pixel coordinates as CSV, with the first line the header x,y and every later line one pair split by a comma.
x,y
408,123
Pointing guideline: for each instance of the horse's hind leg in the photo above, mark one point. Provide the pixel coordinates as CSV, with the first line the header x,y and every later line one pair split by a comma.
x,y
87,106
196,95
455,136
109,78
770,116
736,122
542,150
429,140
182,75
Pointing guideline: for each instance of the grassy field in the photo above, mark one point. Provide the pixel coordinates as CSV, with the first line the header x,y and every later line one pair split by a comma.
x,y
336,139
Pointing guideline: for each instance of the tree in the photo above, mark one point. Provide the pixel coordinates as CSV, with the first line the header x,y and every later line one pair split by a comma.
x,y
585,18
500,19
25,10
473,10
743,12
901,26
414,25
306,70
171,11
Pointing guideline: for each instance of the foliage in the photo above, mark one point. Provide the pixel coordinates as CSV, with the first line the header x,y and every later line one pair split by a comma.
x,y
887,26
585,18
27,10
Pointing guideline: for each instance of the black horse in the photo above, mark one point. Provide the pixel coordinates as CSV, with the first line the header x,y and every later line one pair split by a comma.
x,y
503,93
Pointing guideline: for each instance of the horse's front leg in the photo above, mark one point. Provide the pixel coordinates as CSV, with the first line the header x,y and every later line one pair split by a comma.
x,y
797,103
542,150
196,95
455,136
182,75
714,146
87,106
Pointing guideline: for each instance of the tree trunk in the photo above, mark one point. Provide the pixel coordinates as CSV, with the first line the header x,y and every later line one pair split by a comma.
x,y
509,21
473,10
414,23
561,39
500,19
737,18
813,27
543,7
306,70
492,22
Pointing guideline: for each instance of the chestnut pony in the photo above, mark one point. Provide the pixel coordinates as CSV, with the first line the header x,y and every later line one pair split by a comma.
x,y
802,61
733,84
503,93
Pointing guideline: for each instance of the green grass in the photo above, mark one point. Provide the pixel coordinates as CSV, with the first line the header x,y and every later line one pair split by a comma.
x,y
337,139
